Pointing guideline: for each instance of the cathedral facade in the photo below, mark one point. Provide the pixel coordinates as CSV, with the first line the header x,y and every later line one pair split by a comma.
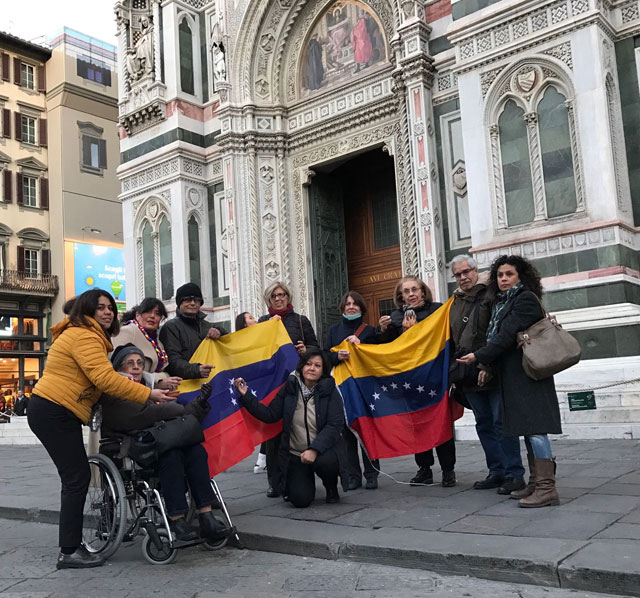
x,y
338,144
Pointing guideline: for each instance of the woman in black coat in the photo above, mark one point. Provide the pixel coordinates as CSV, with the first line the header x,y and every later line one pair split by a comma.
x,y
352,328
530,407
414,303
278,298
312,415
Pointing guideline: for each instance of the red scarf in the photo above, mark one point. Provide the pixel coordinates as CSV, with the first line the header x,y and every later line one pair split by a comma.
x,y
281,312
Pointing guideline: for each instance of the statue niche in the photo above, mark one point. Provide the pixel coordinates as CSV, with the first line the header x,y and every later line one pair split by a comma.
x,y
140,52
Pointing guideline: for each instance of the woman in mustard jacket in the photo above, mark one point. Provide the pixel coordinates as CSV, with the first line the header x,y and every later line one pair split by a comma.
x,y
77,372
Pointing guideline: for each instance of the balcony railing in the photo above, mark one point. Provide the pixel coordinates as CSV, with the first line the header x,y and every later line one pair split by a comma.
x,y
27,282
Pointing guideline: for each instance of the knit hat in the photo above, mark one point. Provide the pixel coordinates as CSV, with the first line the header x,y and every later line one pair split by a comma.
x,y
122,352
188,290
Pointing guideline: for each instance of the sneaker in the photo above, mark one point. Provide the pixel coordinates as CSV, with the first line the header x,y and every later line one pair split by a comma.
x,y
511,485
261,463
424,477
491,481
80,559
372,483
449,479
354,483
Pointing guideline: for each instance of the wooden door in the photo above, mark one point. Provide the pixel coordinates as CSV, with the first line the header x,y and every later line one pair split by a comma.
x,y
372,235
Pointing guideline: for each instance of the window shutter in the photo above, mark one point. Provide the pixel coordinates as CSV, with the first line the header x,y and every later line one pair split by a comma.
x,y
44,193
20,259
7,186
106,77
86,150
3,257
6,122
43,131
19,188
5,67
16,71
18,128
42,79
45,257
102,153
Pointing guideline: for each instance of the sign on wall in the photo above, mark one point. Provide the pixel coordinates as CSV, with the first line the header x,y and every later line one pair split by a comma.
x,y
99,267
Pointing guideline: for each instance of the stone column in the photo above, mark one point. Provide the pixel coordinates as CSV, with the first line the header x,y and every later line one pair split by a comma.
x,y
157,58
418,74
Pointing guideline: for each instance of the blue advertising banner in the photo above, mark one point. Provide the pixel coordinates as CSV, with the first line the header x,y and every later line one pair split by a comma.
x,y
97,266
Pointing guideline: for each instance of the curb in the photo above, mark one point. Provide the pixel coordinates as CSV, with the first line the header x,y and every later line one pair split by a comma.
x,y
535,561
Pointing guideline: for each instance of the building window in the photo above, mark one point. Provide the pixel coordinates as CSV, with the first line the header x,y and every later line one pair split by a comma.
x,y
148,259
28,129
31,263
186,57
94,153
93,70
193,231
166,259
27,76
29,194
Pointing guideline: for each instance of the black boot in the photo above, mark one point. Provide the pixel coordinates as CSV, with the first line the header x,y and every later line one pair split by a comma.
x,y
184,531
80,559
332,495
424,477
212,528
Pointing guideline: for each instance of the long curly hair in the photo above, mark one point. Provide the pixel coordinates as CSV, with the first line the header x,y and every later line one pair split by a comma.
x,y
529,276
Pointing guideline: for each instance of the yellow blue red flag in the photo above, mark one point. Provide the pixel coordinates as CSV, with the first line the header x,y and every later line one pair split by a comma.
x,y
264,356
396,394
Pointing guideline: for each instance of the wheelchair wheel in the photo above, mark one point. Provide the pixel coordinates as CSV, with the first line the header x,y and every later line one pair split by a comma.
x,y
211,545
105,508
162,556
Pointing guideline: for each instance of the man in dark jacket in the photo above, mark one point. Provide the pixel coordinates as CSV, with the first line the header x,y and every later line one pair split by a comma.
x,y
469,316
182,335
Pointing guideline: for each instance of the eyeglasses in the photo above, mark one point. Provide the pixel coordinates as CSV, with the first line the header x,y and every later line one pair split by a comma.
x,y
278,295
192,299
463,273
411,290
133,362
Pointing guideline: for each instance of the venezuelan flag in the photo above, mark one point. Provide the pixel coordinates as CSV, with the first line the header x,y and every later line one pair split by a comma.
x,y
264,356
396,394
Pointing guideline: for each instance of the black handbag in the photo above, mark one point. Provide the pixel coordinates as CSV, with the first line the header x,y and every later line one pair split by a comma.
x,y
176,433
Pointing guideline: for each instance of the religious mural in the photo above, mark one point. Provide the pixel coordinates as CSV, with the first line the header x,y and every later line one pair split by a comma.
x,y
346,40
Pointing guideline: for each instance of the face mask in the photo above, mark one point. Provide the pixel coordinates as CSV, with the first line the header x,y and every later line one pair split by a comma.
x,y
351,317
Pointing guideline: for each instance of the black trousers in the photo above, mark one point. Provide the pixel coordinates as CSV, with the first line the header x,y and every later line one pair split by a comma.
x,y
371,468
446,456
60,431
301,479
272,447
188,463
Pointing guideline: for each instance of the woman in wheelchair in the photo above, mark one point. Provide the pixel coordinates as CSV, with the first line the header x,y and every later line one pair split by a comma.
x,y
176,465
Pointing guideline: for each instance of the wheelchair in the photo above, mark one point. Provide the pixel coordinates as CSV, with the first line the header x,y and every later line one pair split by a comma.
x,y
124,501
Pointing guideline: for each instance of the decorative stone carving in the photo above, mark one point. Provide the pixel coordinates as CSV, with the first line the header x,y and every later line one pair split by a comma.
x,y
218,55
140,56
525,81
562,52
194,197
266,173
459,179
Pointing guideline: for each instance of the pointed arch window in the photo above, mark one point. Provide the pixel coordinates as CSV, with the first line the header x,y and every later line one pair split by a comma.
x,y
166,259
193,233
185,45
155,257
148,260
534,148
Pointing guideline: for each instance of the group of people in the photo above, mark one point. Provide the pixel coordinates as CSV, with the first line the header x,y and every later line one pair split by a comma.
x,y
135,387
11,404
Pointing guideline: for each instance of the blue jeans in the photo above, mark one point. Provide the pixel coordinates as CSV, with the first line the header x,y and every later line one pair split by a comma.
x,y
502,452
539,445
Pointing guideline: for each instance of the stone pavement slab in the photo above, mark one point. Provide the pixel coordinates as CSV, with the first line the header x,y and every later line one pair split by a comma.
x,y
448,530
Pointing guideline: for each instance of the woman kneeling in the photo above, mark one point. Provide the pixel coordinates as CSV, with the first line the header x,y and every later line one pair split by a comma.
x,y
312,415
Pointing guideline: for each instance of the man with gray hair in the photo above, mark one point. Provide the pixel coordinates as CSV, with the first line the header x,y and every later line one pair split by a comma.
x,y
469,316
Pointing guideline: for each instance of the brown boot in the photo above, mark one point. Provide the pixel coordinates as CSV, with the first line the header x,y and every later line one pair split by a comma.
x,y
545,494
531,484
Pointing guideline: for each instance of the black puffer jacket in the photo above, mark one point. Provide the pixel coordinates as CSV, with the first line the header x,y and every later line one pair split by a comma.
x,y
181,336
298,327
329,420
530,406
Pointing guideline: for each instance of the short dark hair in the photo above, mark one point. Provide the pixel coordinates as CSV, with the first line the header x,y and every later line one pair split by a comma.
x,y
146,305
397,294
527,273
307,355
85,306
358,299
241,323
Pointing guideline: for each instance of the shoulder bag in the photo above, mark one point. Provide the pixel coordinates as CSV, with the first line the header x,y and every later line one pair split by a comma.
x,y
547,348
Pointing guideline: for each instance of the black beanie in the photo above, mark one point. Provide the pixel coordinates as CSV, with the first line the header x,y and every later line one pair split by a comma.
x,y
188,290
121,353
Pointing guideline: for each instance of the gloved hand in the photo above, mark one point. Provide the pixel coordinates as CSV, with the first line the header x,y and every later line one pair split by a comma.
x,y
200,405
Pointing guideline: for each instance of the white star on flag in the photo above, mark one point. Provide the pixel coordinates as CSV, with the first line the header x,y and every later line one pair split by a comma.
x,y
376,396
384,389
432,393
234,401
372,407
232,380
394,385
407,385
231,389
420,389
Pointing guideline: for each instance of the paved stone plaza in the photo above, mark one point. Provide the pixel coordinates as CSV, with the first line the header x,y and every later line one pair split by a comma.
x,y
590,542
